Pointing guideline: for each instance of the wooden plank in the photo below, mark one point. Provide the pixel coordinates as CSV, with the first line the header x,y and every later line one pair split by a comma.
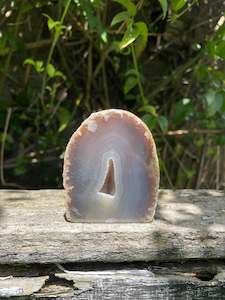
x,y
137,284
162,282
20,286
188,224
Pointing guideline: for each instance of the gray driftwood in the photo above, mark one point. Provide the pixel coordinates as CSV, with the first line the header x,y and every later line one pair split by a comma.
x,y
188,224
199,281
188,230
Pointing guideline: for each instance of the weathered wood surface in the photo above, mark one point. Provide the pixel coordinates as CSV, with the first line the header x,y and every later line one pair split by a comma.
x,y
176,281
188,224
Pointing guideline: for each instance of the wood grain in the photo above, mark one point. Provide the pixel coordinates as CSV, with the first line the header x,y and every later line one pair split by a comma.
x,y
188,224
152,282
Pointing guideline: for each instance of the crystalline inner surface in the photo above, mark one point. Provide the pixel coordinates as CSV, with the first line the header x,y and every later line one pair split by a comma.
x,y
111,169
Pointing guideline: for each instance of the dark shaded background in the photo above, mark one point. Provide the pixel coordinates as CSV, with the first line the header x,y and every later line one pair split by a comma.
x,y
181,71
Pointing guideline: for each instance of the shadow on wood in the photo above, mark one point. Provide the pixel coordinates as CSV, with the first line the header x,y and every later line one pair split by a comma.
x,y
188,224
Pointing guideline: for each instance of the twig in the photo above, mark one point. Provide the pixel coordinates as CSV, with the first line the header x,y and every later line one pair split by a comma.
x,y
201,167
185,132
101,62
163,165
89,76
217,167
105,86
65,65
174,75
8,116
138,75
6,278
54,42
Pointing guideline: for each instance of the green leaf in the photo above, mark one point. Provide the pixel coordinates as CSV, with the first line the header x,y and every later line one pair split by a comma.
x,y
120,17
148,109
178,4
64,118
142,38
50,70
38,64
53,72
130,83
163,123
150,121
130,7
29,61
132,72
93,19
104,37
220,49
183,111
60,74
214,102
164,6
129,37
51,23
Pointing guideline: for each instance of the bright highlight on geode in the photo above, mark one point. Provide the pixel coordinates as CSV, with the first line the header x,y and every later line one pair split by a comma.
x,y
111,171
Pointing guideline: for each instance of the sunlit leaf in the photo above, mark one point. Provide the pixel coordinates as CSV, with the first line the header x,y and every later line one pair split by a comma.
x,y
38,64
148,109
60,74
51,23
164,6
142,39
29,61
129,37
178,4
129,5
120,17
50,70
104,37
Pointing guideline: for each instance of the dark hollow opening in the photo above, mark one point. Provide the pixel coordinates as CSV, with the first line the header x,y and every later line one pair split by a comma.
x,y
205,276
109,183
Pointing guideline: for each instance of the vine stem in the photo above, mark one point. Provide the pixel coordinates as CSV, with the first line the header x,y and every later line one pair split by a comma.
x,y
54,42
8,116
138,75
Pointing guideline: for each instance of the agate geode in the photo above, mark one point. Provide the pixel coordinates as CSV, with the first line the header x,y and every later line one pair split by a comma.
x,y
111,171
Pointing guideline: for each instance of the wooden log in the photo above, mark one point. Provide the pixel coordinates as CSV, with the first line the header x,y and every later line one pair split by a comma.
x,y
20,286
188,224
179,281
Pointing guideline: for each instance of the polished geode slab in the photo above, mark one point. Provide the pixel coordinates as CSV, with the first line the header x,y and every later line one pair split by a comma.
x,y
111,171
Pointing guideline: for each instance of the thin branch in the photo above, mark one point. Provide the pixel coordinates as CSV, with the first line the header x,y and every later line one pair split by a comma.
x,y
8,116
105,86
185,132
218,167
54,42
138,75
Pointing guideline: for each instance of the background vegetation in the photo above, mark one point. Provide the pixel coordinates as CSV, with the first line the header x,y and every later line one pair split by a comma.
x,y
61,60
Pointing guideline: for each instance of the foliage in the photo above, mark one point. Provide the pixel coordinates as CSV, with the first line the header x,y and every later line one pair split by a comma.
x,y
163,60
